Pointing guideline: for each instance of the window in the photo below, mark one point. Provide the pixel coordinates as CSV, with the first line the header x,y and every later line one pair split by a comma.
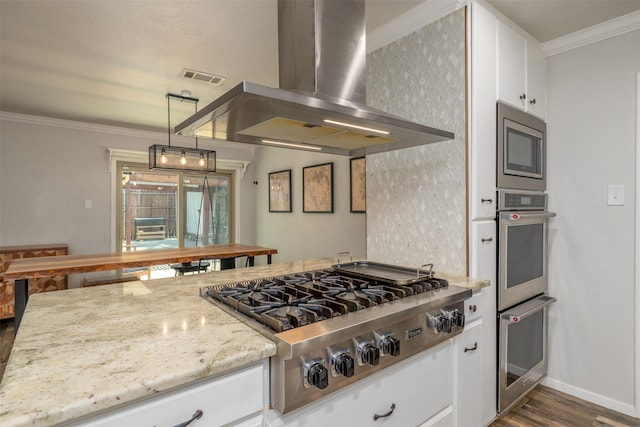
x,y
168,209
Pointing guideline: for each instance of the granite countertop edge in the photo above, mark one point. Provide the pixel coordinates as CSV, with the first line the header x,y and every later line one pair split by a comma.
x,y
89,350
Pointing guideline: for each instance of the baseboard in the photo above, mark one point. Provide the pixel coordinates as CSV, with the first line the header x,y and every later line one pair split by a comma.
x,y
623,408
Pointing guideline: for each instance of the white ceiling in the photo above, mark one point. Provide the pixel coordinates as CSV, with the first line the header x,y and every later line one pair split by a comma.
x,y
113,62
549,19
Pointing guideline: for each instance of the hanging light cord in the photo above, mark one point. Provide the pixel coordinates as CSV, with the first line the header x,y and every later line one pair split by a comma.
x,y
169,118
181,98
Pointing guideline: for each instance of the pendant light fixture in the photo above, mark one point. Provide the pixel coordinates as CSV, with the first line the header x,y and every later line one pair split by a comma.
x,y
181,158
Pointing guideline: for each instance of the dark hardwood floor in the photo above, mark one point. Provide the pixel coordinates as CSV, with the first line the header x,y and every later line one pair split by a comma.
x,y
7,332
543,407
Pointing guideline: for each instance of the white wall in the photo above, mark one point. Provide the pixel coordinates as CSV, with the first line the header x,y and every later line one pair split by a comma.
x,y
299,235
591,122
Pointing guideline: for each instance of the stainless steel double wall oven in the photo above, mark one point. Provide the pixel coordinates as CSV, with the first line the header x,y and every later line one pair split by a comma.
x,y
522,223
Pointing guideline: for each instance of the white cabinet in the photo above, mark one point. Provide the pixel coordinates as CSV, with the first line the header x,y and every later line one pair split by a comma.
x,y
483,245
234,399
421,388
536,81
482,148
521,72
469,376
482,265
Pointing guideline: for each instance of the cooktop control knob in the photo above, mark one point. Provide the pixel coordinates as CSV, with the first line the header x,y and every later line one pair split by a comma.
x,y
318,376
370,354
344,365
457,318
440,322
390,346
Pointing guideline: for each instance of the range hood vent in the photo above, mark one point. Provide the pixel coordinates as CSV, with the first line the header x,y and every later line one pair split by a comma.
x,y
321,102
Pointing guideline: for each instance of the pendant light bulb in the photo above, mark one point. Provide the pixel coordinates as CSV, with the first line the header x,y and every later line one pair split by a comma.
x,y
201,161
163,156
183,158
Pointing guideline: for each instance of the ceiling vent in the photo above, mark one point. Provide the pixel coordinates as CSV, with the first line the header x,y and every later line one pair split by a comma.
x,y
203,77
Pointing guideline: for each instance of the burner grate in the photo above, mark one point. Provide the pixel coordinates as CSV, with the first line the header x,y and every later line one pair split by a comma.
x,y
293,300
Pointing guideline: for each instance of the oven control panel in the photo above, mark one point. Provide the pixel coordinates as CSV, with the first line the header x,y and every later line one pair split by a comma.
x,y
521,200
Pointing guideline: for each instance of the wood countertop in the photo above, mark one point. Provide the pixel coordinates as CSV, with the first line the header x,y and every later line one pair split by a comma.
x,y
27,268
22,248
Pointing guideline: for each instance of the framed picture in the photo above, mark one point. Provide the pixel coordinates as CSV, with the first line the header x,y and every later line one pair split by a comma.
x,y
280,191
358,180
317,188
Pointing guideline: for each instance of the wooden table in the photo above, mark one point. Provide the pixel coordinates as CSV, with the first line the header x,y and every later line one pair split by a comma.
x,y
21,270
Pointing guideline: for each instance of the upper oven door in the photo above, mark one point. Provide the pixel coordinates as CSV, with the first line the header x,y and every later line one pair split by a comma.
x,y
521,150
522,256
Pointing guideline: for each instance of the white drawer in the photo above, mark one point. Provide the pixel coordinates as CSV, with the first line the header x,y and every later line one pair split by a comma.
x,y
222,400
473,307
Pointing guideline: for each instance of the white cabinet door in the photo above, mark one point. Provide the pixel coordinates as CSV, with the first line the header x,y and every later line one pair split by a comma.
x,y
469,381
483,254
536,81
511,67
473,307
482,149
420,388
521,72
232,399
482,264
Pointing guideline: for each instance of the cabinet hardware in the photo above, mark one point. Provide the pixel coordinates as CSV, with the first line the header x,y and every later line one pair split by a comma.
x,y
196,416
475,347
523,97
486,200
487,239
376,416
473,308
533,101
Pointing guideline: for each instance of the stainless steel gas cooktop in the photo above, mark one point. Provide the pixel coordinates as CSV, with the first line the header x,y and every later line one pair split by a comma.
x,y
337,325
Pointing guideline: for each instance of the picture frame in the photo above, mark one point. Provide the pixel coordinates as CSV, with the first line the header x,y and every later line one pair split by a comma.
x,y
280,191
317,188
358,182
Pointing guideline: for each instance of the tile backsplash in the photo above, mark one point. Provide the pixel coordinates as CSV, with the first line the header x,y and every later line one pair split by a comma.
x,y
416,197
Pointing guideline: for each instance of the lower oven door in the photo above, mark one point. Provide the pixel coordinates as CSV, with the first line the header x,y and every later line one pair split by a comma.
x,y
522,256
522,349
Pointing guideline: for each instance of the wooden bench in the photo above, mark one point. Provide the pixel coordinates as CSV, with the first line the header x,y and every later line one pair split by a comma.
x,y
150,228
154,232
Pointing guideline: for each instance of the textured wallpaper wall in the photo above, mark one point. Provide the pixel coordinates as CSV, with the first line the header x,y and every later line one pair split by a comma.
x,y
416,197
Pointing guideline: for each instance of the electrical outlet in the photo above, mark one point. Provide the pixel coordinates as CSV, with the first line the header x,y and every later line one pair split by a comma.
x,y
615,195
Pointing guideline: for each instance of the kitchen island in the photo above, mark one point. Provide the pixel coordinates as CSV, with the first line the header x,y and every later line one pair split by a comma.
x,y
83,351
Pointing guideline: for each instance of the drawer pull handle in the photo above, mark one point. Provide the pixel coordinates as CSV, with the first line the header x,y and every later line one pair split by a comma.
x,y
486,200
393,408
523,97
473,308
196,416
486,239
475,347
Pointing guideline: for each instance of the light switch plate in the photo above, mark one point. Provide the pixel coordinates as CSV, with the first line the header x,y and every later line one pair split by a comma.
x,y
87,204
615,195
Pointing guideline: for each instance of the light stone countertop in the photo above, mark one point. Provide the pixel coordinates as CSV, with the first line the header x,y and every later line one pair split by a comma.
x,y
80,351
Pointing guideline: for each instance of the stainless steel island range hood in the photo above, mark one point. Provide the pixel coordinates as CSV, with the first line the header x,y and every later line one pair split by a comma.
x,y
321,102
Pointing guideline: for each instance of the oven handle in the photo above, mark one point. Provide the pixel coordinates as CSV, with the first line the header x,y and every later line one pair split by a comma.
x,y
523,310
526,215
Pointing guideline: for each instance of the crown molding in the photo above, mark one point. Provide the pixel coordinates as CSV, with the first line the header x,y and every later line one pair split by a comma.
x,y
411,21
115,130
595,33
